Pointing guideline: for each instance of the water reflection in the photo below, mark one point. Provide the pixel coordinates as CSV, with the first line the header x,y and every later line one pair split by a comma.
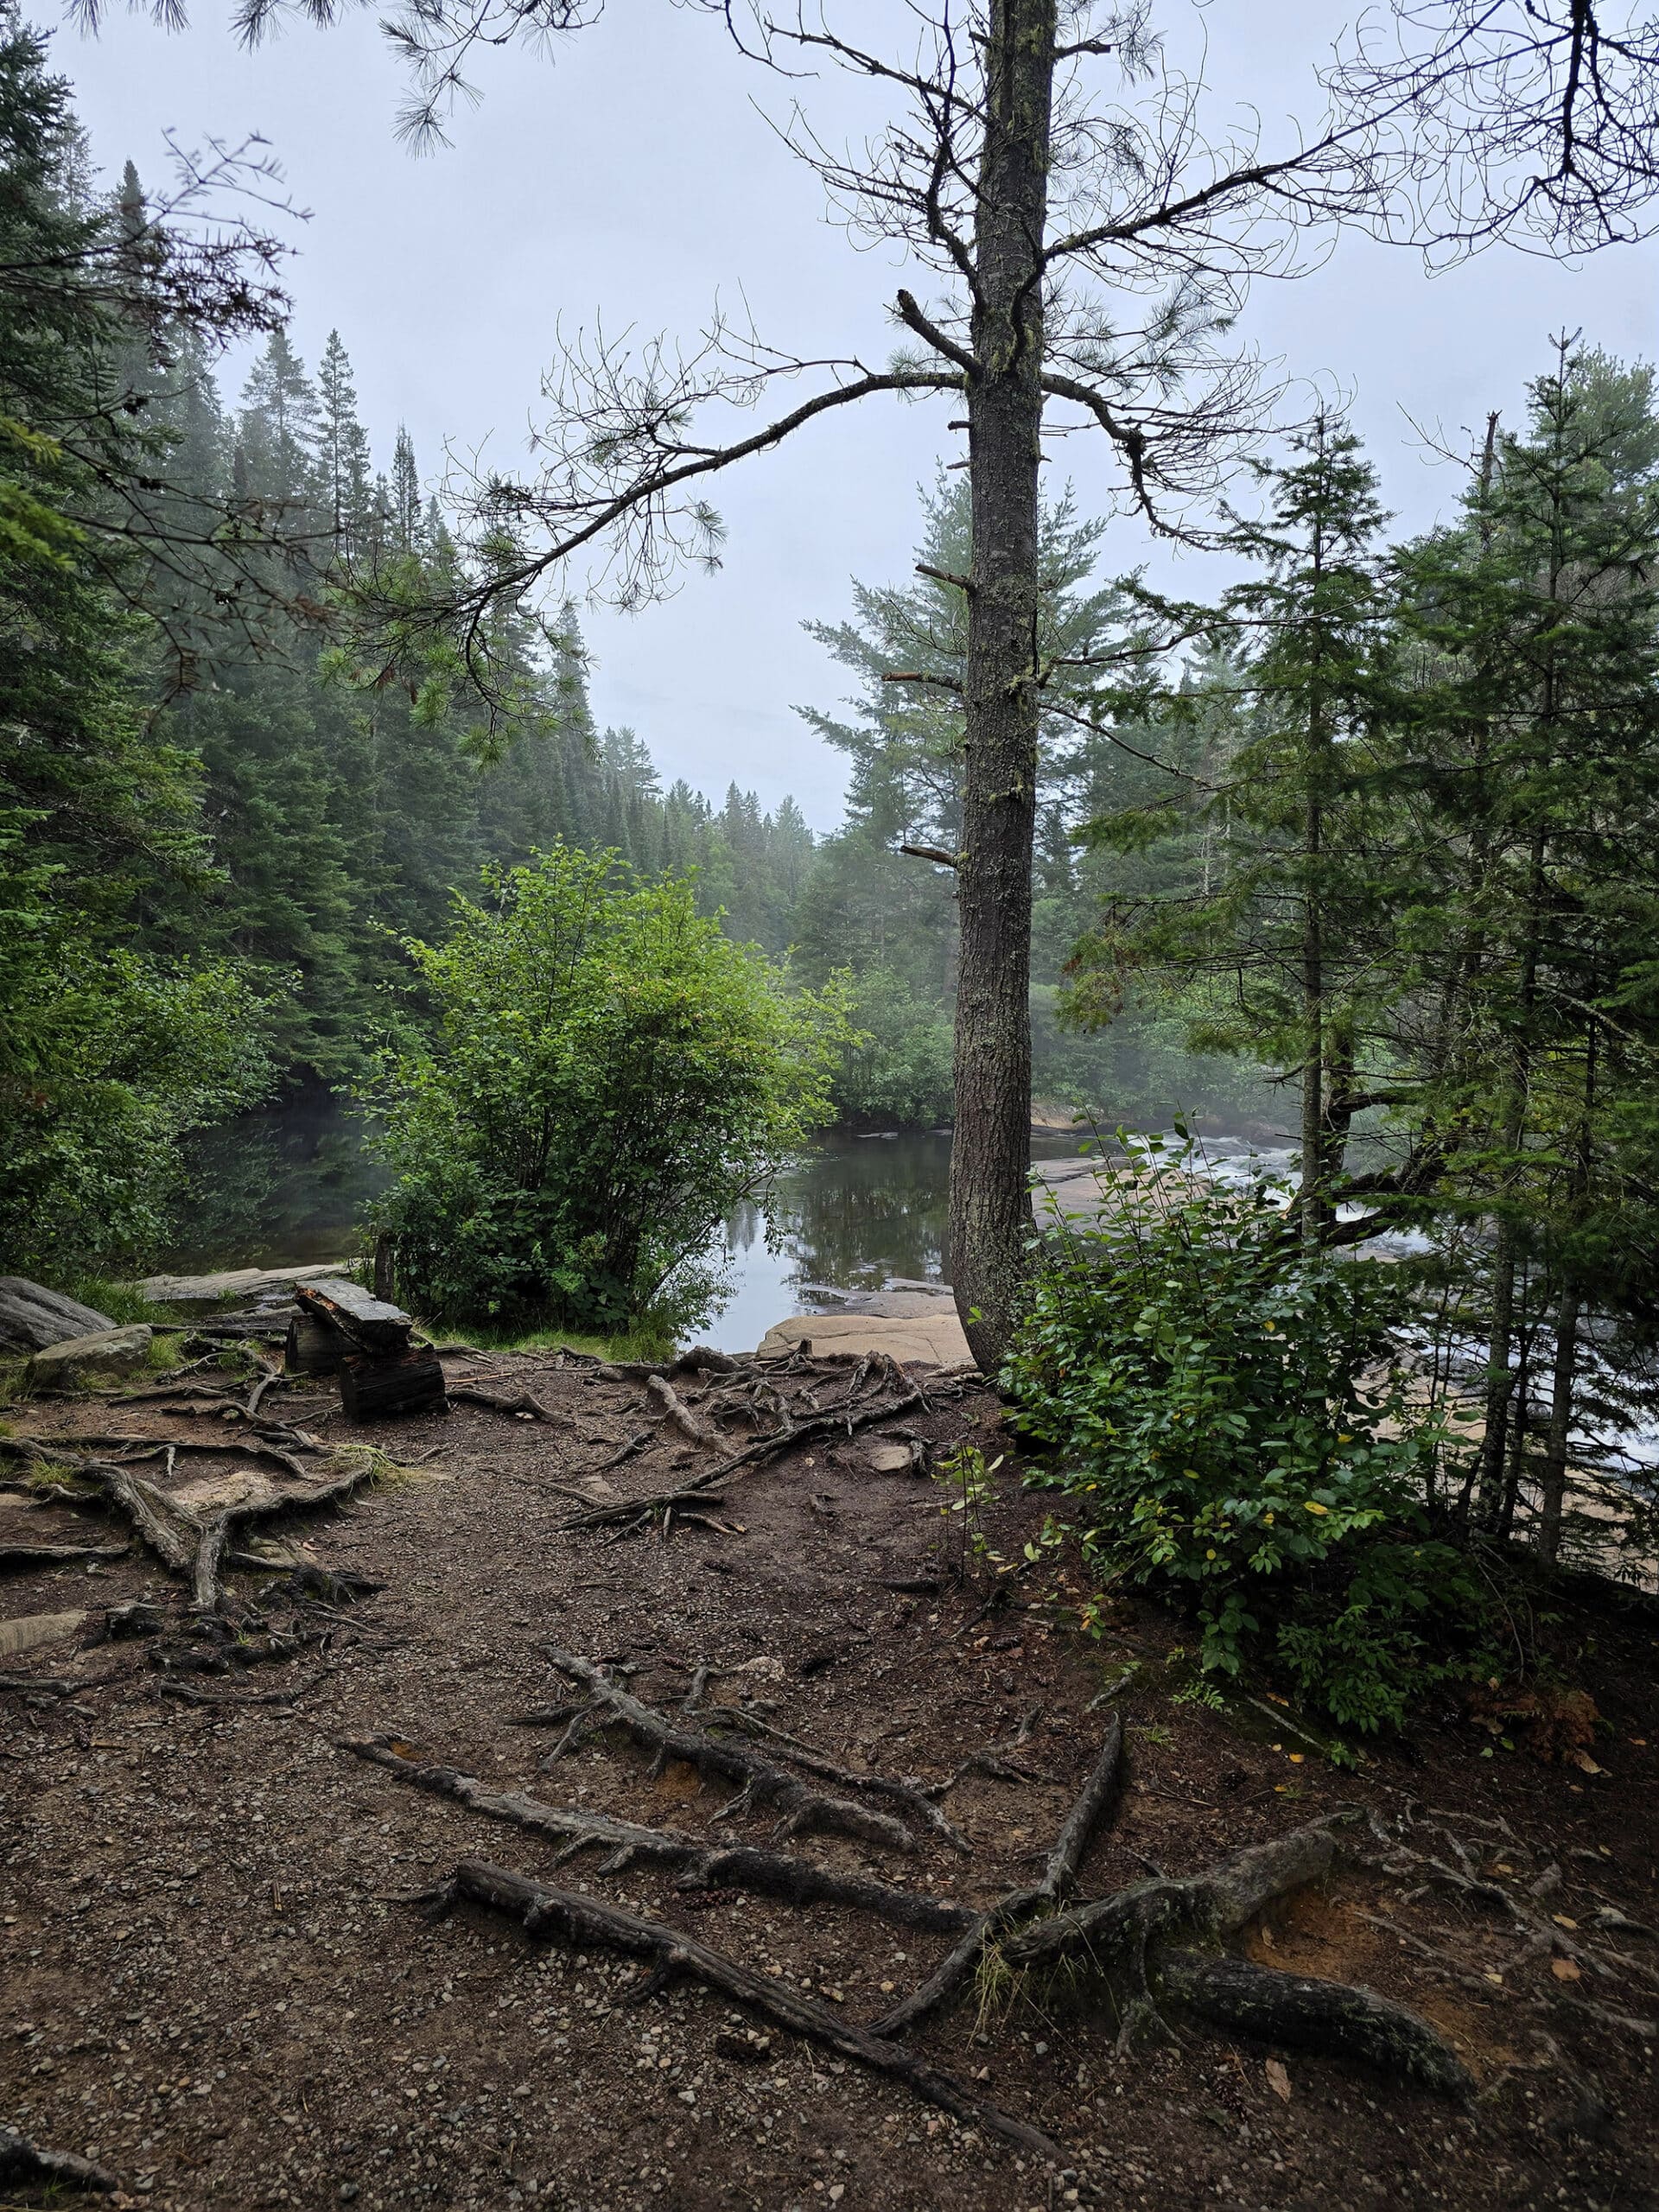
x,y
289,1183
284,1184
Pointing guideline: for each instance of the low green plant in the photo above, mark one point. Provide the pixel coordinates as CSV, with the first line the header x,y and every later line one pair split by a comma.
x,y
1228,1426
607,1075
967,1479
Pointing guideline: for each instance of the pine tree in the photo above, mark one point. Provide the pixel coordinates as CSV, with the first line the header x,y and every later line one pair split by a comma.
x,y
343,452
279,431
407,506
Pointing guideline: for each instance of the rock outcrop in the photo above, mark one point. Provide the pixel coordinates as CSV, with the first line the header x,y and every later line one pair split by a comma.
x,y
32,1317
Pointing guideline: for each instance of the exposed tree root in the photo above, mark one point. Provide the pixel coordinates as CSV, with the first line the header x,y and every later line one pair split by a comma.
x,y
235,1439
994,1760
915,1796
31,1555
187,1694
758,1778
590,1925
21,2160
467,1394
699,1866
679,1415
962,1962
193,1548
843,1420
637,1442
1216,1902
1300,2014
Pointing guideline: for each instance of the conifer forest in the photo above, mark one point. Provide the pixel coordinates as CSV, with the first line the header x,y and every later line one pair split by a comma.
x,y
945,1499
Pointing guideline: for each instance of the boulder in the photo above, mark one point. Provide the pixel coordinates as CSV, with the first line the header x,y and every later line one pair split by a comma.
x,y
32,1317
85,1359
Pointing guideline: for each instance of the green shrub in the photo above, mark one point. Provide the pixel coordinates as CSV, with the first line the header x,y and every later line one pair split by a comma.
x,y
108,1057
895,1069
1229,1427
606,1076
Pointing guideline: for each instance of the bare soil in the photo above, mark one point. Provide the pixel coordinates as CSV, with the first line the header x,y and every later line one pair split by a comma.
x,y
214,1984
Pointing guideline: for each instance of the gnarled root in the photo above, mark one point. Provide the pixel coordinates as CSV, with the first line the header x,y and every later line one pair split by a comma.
x,y
1136,1941
700,1866
960,1963
758,1778
591,1925
21,2160
1300,2014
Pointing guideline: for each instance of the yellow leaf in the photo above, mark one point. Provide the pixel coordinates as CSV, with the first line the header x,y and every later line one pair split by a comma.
x,y
1278,2079
1584,1763
1312,1505
1296,1757
1561,1920
1564,1970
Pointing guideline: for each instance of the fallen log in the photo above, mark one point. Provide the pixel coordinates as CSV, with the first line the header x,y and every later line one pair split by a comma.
x,y
312,1347
589,1924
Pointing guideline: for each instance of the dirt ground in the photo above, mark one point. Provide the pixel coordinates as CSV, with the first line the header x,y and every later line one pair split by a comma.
x,y
212,1982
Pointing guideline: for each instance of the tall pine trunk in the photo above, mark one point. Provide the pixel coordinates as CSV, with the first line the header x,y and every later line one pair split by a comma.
x,y
990,1210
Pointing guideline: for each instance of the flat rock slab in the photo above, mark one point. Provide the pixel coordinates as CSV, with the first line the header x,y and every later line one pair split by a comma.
x,y
32,1317
235,1282
34,1630
213,1493
935,1338
85,1359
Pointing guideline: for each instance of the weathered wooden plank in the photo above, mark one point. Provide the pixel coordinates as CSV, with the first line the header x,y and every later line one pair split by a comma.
x,y
365,1321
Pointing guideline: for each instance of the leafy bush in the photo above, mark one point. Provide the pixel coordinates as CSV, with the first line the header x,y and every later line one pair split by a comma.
x,y
1230,1428
107,1057
895,1069
607,1076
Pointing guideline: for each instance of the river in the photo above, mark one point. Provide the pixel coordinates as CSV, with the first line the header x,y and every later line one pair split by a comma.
x,y
288,1185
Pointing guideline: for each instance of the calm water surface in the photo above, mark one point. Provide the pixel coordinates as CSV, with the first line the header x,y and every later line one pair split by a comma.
x,y
288,1185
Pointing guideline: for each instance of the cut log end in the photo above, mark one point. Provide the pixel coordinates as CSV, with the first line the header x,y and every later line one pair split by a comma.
x,y
404,1382
313,1347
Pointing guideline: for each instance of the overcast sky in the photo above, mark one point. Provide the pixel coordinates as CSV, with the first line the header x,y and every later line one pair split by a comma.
x,y
631,177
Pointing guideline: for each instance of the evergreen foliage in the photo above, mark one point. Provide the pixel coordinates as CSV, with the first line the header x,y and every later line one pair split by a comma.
x,y
107,1051
1413,873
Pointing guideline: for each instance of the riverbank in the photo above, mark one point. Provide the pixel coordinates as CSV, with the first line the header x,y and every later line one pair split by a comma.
x,y
236,1998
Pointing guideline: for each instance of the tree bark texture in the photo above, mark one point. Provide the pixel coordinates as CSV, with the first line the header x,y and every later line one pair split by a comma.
x,y
990,1209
